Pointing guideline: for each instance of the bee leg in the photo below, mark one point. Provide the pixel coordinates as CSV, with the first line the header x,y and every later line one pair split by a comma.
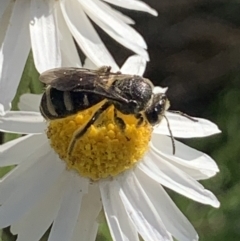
x,y
183,114
80,132
140,119
119,121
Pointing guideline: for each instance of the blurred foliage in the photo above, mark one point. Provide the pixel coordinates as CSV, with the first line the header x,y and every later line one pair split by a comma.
x,y
103,232
7,235
223,223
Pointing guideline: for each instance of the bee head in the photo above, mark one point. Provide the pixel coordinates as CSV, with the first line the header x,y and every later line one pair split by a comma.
x,y
156,110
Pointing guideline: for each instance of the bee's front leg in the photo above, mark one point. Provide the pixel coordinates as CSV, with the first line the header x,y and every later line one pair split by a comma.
x,y
80,132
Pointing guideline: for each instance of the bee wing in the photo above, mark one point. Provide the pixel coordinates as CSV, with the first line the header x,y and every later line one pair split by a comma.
x,y
68,79
84,80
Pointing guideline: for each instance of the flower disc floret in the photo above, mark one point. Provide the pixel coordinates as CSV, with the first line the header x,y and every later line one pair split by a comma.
x,y
105,149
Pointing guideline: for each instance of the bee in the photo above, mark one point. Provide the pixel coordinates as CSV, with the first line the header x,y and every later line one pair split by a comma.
x,y
70,90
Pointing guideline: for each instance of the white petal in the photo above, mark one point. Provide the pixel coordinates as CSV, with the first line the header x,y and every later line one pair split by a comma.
x,y
29,188
104,15
14,52
69,53
170,176
176,223
16,151
4,107
159,90
133,5
66,219
6,8
134,65
118,14
140,209
193,162
10,181
44,35
3,6
85,35
88,64
87,226
121,39
183,127
36,222
119,224
29,102
22,122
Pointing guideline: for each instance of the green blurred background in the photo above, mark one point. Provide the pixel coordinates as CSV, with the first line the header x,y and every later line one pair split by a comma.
x,y
194,47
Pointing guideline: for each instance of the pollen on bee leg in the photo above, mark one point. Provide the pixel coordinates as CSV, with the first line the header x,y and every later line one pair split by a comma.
x,y
104,150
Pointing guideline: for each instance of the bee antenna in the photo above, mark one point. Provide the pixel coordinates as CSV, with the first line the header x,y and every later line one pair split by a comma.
x,y
183,114
171,135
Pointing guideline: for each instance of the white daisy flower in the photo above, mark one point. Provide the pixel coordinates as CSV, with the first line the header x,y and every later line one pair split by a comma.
x,y
123,176
47,27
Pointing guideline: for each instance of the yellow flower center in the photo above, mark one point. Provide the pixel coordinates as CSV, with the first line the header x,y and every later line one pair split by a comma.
x,y
105,149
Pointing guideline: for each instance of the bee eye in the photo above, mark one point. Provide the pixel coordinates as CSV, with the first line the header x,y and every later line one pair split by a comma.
x,y
156,110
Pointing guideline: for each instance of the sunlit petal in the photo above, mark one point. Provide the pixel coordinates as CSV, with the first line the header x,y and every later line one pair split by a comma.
x,y
87,225
120,226
44,35
31,228
5,14
22,122
176,223
193,162
134,65
133,5
41,174
16,43
17,150
184,127
68,48
3,6
140,209
93,7
29,102
69,208
170,176
85,35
